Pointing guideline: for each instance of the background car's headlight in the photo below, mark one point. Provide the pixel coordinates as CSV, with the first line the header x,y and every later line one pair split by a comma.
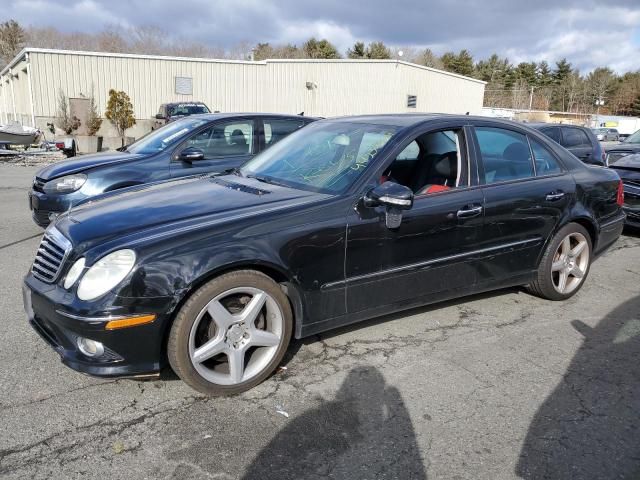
x,y
67,184
74,273
105,274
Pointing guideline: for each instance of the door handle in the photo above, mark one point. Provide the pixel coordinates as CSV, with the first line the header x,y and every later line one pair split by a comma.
x,y
554,196
469,212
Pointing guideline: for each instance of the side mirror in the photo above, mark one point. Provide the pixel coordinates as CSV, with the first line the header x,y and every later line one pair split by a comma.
x,y
159,116
394,197
191,154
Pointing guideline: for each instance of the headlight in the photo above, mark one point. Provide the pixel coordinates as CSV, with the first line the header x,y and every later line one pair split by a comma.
x,y
67,184
74,273
105,274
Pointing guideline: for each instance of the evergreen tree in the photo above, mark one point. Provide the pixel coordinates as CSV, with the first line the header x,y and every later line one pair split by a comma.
x,y
562,71
526,72
357,51
320,49
378,50
544,76
462,63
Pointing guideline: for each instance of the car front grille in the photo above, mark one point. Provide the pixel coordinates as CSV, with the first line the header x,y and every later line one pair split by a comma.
x,y
52,252
38,184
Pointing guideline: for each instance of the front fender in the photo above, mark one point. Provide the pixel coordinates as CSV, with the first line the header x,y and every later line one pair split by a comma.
x,y
168,272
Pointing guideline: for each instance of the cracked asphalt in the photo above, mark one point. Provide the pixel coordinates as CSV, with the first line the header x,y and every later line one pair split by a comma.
x,y
496,386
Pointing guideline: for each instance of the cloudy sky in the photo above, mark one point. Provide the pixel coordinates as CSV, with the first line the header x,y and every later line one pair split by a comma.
x,y
589,33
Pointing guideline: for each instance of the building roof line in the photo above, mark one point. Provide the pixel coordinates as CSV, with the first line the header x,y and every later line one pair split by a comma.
x,y
27,50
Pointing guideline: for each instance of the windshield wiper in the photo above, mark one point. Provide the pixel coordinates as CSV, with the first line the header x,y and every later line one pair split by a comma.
x,y
232,171
268,180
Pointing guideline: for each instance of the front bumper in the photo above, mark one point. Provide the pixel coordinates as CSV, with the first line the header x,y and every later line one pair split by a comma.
x,y
131,351
633,217
42,205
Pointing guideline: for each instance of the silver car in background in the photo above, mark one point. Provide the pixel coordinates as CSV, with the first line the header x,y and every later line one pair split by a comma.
x,y
607,134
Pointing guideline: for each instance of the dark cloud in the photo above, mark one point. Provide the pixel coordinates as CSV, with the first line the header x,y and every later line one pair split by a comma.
x,y
589,33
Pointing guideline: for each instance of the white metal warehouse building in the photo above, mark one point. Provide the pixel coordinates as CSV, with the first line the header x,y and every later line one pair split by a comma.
x,y
30,84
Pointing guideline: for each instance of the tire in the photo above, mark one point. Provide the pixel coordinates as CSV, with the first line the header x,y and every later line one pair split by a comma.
x,y
555,263
243,342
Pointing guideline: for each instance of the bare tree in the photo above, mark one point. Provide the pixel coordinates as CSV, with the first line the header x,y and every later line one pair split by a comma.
x,y
12,40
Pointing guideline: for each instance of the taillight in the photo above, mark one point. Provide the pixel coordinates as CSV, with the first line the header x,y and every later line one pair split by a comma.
x,y
620,196
60,145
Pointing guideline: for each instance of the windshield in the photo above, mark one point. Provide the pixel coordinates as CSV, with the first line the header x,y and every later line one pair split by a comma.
x,y
160,139
324,157
599,130
631,161
186,109
633,138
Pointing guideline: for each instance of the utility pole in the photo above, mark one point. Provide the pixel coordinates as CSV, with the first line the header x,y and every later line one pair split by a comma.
x,y
531,99
599,103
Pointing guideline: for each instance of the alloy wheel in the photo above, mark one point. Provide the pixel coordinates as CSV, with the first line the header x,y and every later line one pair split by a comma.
x,y
570,263
236,336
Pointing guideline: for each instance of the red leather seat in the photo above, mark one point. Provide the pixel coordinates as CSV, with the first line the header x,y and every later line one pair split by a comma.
x,y
427,189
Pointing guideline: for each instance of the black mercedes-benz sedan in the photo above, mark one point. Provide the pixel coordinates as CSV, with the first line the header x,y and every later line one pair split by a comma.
x,y
188,146
344,220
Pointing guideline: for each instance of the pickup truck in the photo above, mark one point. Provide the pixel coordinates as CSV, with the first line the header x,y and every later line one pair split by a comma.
x,y
172,111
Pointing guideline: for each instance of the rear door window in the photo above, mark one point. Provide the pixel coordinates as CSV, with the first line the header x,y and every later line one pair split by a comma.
x,y
505,154
575,138
275,129
546,163
224,139
552,133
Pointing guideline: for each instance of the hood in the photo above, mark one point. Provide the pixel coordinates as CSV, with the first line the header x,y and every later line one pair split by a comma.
x,y
181,203
624,147
84,162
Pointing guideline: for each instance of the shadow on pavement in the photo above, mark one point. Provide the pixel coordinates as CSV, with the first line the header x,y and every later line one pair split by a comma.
x,y
589,427
365,432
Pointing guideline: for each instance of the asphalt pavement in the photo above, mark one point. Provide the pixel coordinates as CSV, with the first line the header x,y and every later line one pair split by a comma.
x,y
496,386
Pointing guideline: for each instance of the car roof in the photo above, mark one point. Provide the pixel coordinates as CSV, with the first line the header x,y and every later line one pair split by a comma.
x,y
404,120
539,125
216,116
185,103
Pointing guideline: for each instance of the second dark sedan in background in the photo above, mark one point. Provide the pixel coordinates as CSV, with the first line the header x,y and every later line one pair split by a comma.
x,y
628,167
630,146
578,140
193,145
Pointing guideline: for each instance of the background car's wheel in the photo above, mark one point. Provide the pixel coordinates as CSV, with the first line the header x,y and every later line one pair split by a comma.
x,y
231,333
564,265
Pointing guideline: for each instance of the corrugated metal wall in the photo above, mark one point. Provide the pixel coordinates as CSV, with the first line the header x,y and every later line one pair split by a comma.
x,y
148,82
323,88
351,88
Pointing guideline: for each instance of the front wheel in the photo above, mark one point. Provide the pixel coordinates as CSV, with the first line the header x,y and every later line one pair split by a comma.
x,y
231,333
564,265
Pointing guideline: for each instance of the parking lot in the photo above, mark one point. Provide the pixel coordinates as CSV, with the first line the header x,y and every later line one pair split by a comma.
x,y
497,386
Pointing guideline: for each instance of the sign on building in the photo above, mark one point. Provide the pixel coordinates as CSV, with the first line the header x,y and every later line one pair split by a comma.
x,y
184,85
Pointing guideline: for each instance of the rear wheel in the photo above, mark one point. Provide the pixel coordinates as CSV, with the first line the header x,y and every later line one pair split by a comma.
x,y
231,334
564,265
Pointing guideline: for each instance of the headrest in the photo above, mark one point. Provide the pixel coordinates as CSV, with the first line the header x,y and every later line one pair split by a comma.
x,y
516,152
447,165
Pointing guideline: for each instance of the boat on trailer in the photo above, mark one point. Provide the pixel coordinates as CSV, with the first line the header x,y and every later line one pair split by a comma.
x,y
16,134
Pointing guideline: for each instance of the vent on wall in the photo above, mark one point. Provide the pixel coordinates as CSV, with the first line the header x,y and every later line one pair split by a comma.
x,y
412,101
184,85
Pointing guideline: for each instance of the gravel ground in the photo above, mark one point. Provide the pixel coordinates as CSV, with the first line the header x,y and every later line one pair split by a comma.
x,y
496,386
